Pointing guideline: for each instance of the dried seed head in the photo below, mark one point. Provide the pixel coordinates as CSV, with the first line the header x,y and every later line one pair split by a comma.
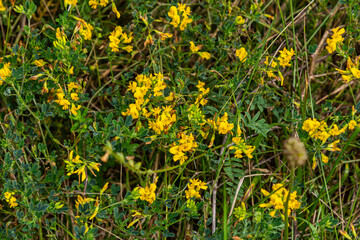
x,y
295,152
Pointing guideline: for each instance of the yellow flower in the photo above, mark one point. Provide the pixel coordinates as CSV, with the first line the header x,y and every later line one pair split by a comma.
x,y
128,48
70,2
278,199
241,147
133,111
192,193
72,86
204,55
332,146
335,39
239,20
75,109
240,212
9,197
241,54
93,3
148,193
186,144
82,201
71,70
5,72
176,20
194,187
85,30
164,36
193,48
285,57
324,158
355,72
74,96
335,130
114,9
352,124
175,17
103,3
39,63
197,184
2,8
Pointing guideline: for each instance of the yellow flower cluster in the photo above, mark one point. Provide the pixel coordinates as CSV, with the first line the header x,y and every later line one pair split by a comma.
x,y
76,163
241,54
222,125
9,197
194,188
65,103
144,89
240,146
5,72
240,212
335,39
239,20
283,60
140,88
320,130
60,42
176,19
85,30
39,63
285,57
194,49
197,117
162,121
148,193
185,144
352,70
203,91
95,3
118,37
278,200
61,100
84,200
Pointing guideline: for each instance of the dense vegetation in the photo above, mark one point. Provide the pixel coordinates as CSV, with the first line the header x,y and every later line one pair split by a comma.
x,y
179,120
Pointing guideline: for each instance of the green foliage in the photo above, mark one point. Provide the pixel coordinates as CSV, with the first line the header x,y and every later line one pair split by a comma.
x,y
163,120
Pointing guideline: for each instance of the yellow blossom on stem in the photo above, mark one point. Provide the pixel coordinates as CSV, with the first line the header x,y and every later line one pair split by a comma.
x,y
332,146
114,9
187,143
39,63
335,39
9,197
175,13
278,199
148,193
285,57
194,188
324,158
241,54
239,20
352,124
85,30
74,109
